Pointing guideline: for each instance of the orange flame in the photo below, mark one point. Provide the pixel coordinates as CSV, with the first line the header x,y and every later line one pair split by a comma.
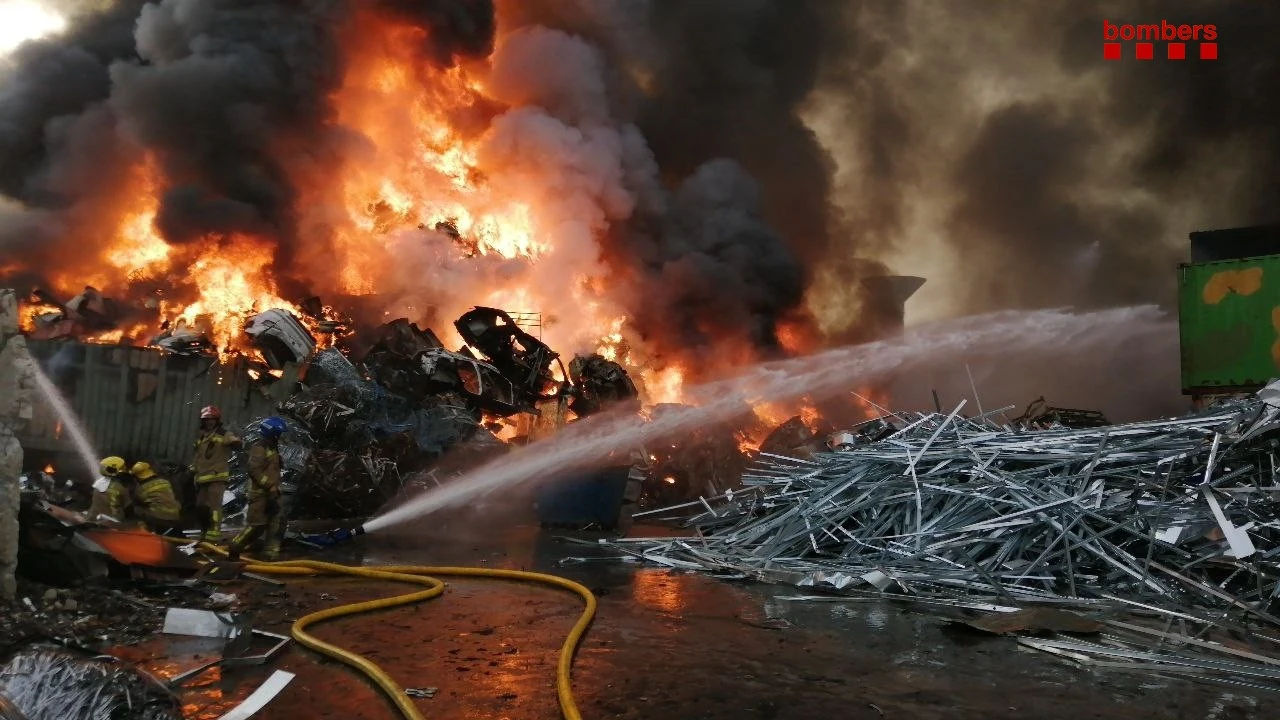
x,y
872,401
435,175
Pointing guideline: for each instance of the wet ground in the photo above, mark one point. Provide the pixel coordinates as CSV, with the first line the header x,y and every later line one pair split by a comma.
x,y
664,645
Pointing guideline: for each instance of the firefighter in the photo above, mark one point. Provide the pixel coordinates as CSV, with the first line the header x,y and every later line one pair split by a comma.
x,y
212,470
110,494
157,505
264,492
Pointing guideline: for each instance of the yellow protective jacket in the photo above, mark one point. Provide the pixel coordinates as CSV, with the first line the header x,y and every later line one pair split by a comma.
x,y
156,496
264,470
110,500
213,456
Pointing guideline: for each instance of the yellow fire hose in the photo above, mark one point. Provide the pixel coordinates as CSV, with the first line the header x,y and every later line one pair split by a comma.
x,y
419,575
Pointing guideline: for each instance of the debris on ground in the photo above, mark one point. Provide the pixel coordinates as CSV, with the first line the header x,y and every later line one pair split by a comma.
x,y
56,685
704,462
792,438
77,617
426,692
1040,415
599,383
1173,518
1035,620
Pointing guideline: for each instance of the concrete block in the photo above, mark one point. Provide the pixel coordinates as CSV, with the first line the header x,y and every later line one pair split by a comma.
x,y
9,318
16,375
10,468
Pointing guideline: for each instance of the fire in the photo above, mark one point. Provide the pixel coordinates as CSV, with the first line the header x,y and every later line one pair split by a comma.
x,y
811,418
234,285
138,249
48,469
432,172
31,312
424,171
871,401
665,385
772,414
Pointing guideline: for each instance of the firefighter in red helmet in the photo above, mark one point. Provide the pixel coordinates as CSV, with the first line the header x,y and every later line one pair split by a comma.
x,y
212,466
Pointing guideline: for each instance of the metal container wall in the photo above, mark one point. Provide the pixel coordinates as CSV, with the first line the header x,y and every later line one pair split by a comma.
x,y
139,403
1234,243
1229,324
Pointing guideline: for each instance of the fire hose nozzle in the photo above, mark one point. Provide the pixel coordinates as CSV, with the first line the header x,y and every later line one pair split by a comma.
x,y
335,537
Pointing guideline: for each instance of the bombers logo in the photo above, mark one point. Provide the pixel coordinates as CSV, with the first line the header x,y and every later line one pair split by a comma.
x,y
1173,36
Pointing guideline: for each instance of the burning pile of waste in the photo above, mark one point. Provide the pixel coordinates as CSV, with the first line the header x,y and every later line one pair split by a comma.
x,y
363,421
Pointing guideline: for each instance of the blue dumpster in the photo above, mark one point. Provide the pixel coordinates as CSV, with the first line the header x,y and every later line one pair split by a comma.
x,y
588,498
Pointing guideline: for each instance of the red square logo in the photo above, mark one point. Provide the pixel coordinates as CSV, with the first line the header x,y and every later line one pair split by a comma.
x,y
1208,51
1111,51
1145,51
1177,51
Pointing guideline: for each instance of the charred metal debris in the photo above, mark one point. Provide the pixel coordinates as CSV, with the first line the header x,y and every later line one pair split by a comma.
x,y
367,423
1172,521
374,409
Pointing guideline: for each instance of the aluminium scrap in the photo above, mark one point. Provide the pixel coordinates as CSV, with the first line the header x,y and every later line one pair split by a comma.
x,y
1177,516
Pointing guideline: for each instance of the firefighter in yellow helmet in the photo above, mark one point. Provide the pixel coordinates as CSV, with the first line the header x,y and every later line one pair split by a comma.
x,y
157,505
264,513
110,494
212,466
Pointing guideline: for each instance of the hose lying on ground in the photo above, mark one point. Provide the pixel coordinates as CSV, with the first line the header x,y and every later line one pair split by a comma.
x,y
420,575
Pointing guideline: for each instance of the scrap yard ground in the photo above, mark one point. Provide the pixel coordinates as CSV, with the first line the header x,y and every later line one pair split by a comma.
x,y
664,645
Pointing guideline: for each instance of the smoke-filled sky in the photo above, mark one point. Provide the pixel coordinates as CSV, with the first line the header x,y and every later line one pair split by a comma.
x,y
732,167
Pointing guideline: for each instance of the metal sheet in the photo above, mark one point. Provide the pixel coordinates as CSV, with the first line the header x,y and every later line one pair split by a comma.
x,y
202,623
260,697
139,402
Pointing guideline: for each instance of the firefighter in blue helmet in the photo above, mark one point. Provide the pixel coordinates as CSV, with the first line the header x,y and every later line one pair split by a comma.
x,y
264,492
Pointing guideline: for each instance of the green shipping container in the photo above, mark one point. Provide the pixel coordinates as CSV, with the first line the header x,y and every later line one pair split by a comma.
x,y
1229,324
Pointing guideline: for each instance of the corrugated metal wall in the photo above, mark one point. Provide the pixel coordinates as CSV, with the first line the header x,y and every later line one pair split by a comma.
x,y
139,403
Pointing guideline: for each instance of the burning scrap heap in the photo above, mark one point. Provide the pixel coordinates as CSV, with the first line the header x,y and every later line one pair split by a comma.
x,y
405,159
410,160
361,426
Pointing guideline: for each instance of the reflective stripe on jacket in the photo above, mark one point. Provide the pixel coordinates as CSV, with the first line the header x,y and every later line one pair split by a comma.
x,y
109,503
213,456
264,469
156,495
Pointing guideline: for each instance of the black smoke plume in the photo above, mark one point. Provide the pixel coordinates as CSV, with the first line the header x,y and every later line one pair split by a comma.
x,y
995,152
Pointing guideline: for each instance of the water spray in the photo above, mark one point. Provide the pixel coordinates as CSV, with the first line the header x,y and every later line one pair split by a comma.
x,y
820,376
84,447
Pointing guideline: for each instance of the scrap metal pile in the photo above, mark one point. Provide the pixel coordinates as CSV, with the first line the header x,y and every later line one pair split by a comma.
x,y
1175,517
360,427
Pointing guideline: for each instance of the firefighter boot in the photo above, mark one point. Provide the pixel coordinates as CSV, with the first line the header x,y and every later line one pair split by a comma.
x,y
241,542
213,533
272,549
271,552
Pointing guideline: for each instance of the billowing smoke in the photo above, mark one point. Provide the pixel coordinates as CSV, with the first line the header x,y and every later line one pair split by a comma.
x,y
697,240
1000,156
1025,171
721,173
228,99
